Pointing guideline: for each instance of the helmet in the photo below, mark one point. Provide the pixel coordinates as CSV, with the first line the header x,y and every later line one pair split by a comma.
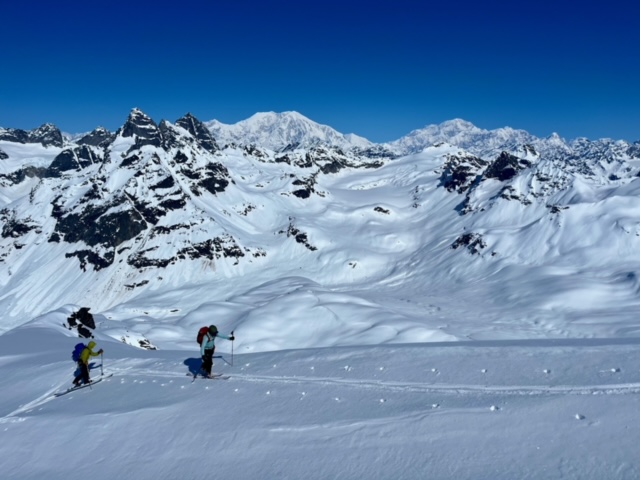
x,y
213,330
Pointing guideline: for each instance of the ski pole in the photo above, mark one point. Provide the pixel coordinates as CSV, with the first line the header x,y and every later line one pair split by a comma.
x,y
101,364
232,348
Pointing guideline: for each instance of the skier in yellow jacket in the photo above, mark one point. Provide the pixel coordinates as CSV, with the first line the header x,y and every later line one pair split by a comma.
x,y
83,363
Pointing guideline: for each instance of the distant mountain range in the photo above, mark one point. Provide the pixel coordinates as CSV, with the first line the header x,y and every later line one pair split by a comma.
x,y
287,130
153,206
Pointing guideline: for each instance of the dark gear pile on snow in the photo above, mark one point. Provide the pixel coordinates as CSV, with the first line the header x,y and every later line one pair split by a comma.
x,y
77,351
83,322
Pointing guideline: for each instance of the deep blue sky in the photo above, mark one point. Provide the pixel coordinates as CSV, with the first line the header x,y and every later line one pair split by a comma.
x,y
375,68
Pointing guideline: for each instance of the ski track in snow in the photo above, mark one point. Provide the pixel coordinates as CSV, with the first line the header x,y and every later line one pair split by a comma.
x,y
630,388
377,386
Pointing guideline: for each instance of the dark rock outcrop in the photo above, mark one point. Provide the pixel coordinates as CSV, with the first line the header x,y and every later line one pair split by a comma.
x,y
461,172
472,241
197,129
505,167
98,138
143,128
47,135
72,159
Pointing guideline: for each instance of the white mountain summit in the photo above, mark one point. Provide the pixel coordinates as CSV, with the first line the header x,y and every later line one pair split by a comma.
x,y
277,131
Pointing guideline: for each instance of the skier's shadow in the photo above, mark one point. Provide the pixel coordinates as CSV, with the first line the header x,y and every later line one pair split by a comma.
x,y
195,364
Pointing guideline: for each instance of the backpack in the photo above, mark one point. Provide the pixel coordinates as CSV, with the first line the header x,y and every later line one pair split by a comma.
x,y
201,333
77,351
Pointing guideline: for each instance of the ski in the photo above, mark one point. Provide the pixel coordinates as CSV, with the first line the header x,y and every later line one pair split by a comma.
x,y
215,376
80,387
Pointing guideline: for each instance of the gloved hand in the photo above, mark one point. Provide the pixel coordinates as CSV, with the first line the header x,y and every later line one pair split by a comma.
x,y
232,338
101,351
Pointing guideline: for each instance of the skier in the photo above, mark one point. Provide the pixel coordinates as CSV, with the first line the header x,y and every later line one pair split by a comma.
x,y
83,364
207,347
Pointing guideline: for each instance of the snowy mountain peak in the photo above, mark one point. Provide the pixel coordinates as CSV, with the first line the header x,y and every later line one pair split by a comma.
x,y
279,131
141,126
97,137
199,131
47,134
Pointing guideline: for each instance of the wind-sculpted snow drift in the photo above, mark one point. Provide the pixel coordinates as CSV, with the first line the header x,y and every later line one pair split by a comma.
x,y
164,226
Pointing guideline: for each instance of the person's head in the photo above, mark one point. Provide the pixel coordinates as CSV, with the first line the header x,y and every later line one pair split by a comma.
x,y
91,344
213,330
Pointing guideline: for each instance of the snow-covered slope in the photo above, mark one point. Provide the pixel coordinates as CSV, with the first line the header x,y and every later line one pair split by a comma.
x,y
466,410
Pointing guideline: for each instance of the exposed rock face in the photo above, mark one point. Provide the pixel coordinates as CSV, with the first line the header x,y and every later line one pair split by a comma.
x,y
99,137
473,242
461,171
47,135
14,135
143,128
202,135
75,158
505,167
151,183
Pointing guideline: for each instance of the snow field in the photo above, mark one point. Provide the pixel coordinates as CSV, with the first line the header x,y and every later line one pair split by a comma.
x,y
494,409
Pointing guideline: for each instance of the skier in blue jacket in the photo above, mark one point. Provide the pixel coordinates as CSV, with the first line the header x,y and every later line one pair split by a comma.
x,y
208,346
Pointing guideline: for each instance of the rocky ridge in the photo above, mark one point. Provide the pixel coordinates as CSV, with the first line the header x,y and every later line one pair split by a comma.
x,y
133,203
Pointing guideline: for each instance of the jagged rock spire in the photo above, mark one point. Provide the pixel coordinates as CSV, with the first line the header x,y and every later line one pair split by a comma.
x,y
96,138
47,134
143,127
196,128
